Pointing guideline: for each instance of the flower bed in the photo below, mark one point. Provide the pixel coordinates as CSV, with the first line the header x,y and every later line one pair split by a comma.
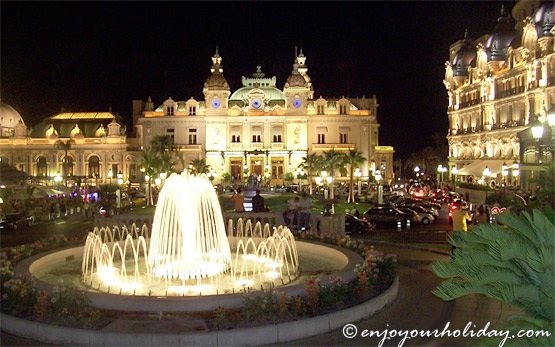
x,y
67,306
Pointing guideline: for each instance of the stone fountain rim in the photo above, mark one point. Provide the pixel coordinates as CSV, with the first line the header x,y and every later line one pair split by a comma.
x,y
187,303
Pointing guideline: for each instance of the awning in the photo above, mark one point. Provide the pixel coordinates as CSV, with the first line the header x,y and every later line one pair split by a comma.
x,y
476,168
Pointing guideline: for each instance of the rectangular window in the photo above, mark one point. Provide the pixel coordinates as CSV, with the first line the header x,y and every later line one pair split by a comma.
x,y
235,138
342,109
256,138
169,111
320,109
171,134
192,136
192,111
277,138
277,168
343,138
321,138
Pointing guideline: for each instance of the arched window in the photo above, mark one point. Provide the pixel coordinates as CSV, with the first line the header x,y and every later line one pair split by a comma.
x,y
42,167
68,166
94,166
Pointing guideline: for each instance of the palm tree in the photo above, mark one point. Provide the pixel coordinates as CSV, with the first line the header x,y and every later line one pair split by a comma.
x,y
332,161
150,162
199,166
354,159
64,146
311,164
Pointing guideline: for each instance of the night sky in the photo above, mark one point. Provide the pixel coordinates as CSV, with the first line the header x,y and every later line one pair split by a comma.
x,y
89,56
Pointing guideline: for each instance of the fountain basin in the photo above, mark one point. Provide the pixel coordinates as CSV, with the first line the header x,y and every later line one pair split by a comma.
x,y
41,265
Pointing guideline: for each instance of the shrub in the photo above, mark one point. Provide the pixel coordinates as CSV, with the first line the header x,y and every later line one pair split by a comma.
x,y
19,296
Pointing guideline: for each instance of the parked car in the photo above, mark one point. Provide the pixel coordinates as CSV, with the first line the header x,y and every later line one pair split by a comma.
x,y
414,216
16,221
424,217
356,226
386,215
420,209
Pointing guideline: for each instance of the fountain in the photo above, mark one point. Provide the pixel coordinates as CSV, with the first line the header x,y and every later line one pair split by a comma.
x,y
188,260
189,251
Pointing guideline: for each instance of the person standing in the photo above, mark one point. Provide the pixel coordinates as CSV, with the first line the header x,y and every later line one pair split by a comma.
x,y
305,204
258,203
460,217
482,217
238,201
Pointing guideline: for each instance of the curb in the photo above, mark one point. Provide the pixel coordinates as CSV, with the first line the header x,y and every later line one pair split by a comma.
x,y
262,335
401,245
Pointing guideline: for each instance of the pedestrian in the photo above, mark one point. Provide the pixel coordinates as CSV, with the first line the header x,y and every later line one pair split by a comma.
x,y
290,215
305,204
482,216
258,204
460,217
238,200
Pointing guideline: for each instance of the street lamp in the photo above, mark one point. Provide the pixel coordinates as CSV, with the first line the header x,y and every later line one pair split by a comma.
x,y
120,178
57,178
455,172
417,171
378,177
514,171
110,175
358,174
441,170
486,173
147,180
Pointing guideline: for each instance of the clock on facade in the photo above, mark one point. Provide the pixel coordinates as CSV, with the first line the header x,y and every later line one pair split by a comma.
x,y
215,103
256,103
297,103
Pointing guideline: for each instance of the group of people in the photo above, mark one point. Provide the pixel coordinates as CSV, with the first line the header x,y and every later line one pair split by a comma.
x,y
461,218
258,202
297,213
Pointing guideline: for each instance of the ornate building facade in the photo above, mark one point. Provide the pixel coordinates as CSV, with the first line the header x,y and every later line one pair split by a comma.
x,y
498,85
83,148
261,129
257,129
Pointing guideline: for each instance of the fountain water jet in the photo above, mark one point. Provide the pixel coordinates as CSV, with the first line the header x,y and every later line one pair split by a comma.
x,y
188,248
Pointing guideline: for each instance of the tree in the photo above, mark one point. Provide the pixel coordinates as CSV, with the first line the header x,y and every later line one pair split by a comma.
x,y
66,147
332,161
150,163
311,164
512,263
199,167
353,159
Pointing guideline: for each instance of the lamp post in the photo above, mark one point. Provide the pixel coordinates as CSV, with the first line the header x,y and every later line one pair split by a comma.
x,y
455,172
378,177
110,175
417,171
147,181
551,122
358,174
120,178
57,178
440,171
514,172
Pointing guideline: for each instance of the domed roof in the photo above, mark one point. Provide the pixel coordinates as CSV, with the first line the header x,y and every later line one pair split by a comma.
x,y
464,57
258,82
503,36
295,79
270,93
216,80
9,117
543,19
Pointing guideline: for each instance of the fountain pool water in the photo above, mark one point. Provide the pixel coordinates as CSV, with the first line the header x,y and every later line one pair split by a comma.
x,y
188,251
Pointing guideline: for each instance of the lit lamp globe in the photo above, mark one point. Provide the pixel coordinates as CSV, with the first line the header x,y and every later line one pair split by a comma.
x,y
537,130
